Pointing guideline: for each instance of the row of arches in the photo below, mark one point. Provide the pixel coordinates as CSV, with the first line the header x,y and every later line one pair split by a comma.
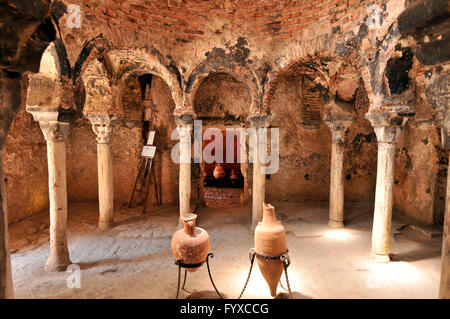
x,y
118,65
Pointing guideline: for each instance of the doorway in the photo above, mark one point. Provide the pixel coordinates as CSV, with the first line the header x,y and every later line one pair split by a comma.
x,y
223,183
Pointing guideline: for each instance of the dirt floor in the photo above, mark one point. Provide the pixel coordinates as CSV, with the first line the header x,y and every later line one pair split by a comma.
x,y
134,260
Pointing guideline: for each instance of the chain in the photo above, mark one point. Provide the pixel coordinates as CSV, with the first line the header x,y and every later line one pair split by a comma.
x,y
284,258
251,255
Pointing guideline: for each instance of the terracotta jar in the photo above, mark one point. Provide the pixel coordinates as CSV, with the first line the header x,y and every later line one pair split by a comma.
x,y
219,171
234,174
191,244
270,240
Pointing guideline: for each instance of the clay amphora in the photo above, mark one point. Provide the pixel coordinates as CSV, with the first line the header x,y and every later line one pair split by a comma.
x,y
234,177
234,174
219,171
190,245
270,240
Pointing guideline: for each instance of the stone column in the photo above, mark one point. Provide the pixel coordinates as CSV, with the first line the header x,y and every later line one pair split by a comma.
x,y
102,125
444,289
6,285
55,134
185,131
258,192
387,125
338,126
10,100
259,179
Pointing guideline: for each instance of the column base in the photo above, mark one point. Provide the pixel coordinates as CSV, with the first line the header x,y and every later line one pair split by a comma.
x,y
57,263
335,223
179,224
380,259
105,225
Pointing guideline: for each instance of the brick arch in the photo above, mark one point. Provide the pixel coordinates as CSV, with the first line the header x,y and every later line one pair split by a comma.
x,y
121,64
242,73
309,65
94,49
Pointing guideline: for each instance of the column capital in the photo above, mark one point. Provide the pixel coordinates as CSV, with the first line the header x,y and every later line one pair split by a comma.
x,y
390,115
387,121
184,130
259,120
339,123
184,119
102,125
54,130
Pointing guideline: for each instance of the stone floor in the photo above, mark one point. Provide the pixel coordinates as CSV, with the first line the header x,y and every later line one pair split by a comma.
x,y
133,260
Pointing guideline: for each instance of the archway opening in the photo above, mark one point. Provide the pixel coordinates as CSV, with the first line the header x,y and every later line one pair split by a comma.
x,y
222,102
147,105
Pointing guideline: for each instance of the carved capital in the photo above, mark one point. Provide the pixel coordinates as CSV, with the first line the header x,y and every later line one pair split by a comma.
x,y
184,130
387,134
338,136
390,115
184,119
338,125
54,130
387,121
102,125
103,132
259,120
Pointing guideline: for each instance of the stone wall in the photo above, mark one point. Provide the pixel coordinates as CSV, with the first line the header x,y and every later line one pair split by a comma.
x,y
25,159
25,165
254,40
305,147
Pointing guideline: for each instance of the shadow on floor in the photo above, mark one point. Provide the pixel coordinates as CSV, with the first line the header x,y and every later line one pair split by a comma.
x,y
295,295
209,294
357,216
112,261
205,294
415,255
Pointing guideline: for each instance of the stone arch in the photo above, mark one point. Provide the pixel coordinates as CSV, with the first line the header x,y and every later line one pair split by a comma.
x,y
121,64
50,88
239,71
99,99
372,66
50,65
311,65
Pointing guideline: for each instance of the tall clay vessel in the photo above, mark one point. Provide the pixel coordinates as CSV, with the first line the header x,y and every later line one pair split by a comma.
x,y
270,240
190,245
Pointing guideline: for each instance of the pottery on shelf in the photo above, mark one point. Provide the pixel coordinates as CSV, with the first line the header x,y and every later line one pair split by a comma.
x,y
190,245
219,171
270,240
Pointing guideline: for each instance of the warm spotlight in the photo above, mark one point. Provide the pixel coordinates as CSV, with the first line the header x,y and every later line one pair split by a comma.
x,y
257,286
380,275
338,234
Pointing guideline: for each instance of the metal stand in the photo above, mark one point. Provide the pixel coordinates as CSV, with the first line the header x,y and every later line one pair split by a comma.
x,y
181,265
284,258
